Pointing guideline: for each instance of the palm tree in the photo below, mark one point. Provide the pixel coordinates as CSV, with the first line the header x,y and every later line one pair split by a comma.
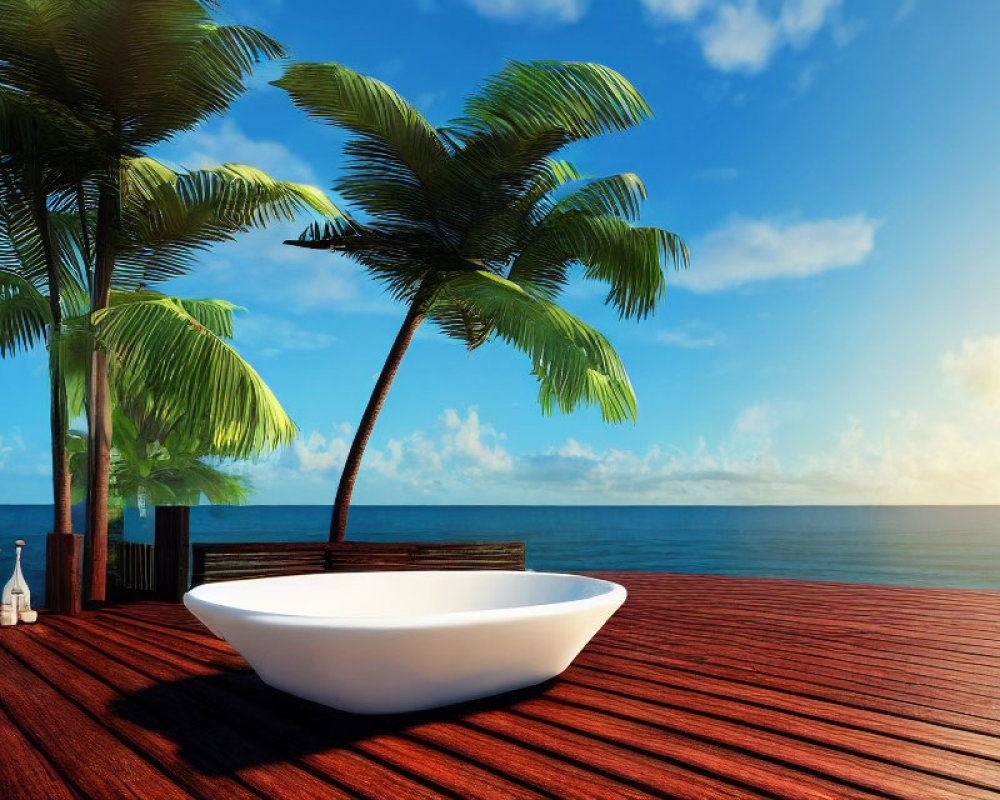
x,y
168,349
37,178
162,454
476,225
133,73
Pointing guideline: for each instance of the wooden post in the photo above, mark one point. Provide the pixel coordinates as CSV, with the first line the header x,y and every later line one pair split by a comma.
x,y
63,561
171,549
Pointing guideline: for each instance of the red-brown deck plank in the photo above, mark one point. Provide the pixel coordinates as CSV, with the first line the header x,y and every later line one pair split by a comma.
x,y
701,687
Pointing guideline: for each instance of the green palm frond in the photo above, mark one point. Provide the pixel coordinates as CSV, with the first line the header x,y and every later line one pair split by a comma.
x,y
394,156
617,195
24,314
480,220
627,258
181,66
75,342
157,347
584,100
575,364
216,315
20,246
172,218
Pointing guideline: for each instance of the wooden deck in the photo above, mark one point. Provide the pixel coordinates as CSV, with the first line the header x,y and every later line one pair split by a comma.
x,y
700,687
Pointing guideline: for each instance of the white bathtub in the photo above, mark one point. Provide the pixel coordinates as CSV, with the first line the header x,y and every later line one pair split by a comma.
x,y
387,642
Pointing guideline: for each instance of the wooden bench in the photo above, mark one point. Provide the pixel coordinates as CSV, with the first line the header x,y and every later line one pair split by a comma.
x,y
232,561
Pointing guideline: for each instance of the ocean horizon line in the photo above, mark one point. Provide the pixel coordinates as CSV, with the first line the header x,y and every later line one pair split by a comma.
x,y
565,505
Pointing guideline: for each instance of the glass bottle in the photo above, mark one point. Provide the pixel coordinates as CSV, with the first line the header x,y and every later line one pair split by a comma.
x,y
17,588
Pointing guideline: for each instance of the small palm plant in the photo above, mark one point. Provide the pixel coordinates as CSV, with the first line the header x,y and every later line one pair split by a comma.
x,y
476,226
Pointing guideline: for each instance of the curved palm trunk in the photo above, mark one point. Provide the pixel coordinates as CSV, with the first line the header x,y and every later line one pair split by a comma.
x,y
99,406
342,505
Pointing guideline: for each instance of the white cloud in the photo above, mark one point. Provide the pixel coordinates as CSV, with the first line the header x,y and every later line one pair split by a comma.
x,y
718,174
675,10
259,268
461,449
914,460
743,35
318,453
693,336
459,452
516,10
270,335
739,38
906,457
469,440
224,143
976,367
746,250
755,421
801,19
5,451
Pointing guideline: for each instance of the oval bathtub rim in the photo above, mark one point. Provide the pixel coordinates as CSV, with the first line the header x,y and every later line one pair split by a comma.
x,y
614,595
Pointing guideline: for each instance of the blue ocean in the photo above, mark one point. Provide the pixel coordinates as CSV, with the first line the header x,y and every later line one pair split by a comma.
x,y
956,546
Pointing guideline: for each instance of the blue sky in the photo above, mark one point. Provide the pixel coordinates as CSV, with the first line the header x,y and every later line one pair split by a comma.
x,y
832,165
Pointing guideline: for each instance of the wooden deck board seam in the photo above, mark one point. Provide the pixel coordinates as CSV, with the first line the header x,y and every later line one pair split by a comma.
x,y
723,781
817,716
150,758
813,743
263,740
691,669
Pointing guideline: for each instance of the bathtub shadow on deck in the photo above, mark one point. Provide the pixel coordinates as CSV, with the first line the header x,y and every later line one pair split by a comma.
x,y
263,725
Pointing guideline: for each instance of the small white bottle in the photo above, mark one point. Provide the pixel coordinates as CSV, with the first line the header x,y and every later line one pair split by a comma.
x,y
16,593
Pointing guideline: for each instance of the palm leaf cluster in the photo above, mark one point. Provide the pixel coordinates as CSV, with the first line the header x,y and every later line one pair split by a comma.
x,y
174,351
151,467
130,74
478,225
205,388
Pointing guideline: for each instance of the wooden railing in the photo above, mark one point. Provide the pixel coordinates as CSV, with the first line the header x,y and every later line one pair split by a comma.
x,y
233,561
131,568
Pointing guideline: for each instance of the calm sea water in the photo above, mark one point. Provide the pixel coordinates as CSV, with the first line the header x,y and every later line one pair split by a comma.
x,y
911,545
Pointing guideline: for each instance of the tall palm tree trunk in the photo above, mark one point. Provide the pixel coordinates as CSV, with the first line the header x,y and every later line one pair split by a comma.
x,y
62,521
58,414
342,505
99,402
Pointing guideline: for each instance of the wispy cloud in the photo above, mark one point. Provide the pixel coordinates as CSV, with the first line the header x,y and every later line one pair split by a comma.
x,y
905,456
905,9
271,335
563,11
718,174
460,451
807,76
5,451
693,336
976,368
258,268
675,10
224,142
746,250
739,38
742,36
